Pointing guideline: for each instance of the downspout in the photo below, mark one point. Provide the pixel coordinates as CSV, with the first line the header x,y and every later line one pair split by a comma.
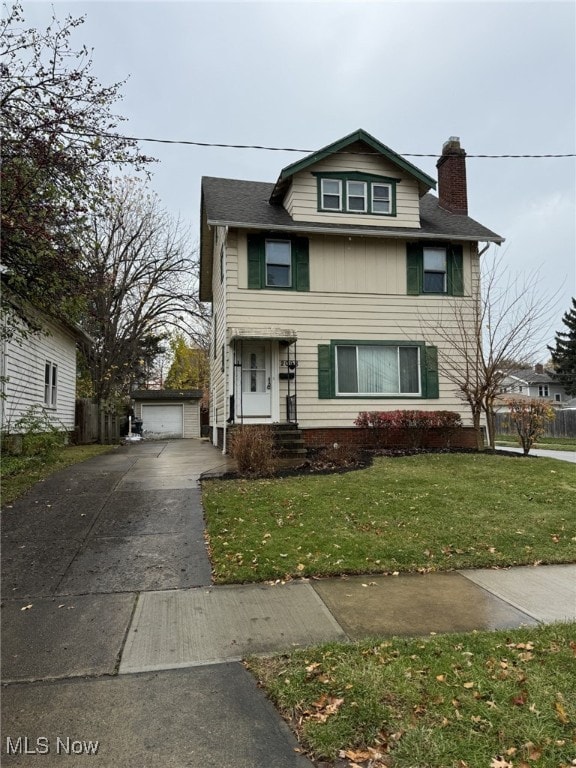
x,y
225,324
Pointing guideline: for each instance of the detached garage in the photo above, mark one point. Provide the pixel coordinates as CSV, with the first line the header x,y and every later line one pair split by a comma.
x,y
168,414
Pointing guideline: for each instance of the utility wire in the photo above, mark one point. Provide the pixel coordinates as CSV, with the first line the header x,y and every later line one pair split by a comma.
x,y
304,151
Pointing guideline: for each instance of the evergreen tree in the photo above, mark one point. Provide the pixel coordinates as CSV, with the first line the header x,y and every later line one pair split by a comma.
x,y
564,354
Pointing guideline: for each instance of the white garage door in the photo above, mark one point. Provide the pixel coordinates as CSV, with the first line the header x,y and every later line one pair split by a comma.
x,y
162,421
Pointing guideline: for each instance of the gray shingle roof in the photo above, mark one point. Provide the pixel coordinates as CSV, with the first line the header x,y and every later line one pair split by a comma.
x,y
530,376
167,394
245,204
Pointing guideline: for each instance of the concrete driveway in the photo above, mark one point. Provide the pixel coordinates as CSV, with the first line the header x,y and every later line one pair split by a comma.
x,y
79,552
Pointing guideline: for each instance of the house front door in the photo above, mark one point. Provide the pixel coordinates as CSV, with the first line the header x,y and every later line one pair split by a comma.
x,y
255,401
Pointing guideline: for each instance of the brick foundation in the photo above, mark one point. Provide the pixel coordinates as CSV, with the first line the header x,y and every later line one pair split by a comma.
x,y
322,437
394,438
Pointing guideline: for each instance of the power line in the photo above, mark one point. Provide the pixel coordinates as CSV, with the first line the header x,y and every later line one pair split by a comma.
x,y
308,151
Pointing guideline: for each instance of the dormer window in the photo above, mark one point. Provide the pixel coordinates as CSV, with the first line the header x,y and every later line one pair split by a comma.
x,y
381,198
331,194
356,196
356,193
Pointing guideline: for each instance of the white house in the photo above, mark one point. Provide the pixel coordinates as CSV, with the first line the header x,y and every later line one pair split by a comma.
x,y
40,370
537,382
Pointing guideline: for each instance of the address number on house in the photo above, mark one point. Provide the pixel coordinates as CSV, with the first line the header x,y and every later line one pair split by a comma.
x,y
289,363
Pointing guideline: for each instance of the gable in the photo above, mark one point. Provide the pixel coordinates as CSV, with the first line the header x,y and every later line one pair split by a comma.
x,y
356,145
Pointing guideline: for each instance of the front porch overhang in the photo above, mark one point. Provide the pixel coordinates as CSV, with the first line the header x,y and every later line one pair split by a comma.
x,y
287,335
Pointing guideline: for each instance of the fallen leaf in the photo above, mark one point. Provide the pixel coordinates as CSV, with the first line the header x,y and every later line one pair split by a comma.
x,y
561,712
468,685
500,762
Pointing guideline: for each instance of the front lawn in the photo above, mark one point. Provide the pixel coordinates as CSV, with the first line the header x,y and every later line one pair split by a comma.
x,y
480,700
416,513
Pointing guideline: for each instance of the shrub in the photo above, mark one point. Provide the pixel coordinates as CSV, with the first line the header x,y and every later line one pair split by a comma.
x,y
529,417
253,448
35,434
414,423
337,455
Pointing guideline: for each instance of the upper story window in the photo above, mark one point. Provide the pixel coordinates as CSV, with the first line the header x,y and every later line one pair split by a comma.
x,y
354,192
435,270
278,263
543,390
331,194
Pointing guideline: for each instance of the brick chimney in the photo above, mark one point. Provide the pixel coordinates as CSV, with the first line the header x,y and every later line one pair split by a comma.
x,y
539,368
452,192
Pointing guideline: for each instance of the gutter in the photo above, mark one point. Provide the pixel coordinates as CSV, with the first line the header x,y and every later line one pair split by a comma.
x,y
399,235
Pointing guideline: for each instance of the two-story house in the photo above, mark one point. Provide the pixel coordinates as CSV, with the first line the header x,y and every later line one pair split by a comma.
x,y
320,284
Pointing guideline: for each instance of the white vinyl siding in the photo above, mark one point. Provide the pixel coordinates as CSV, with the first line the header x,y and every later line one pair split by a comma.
x,y
26,365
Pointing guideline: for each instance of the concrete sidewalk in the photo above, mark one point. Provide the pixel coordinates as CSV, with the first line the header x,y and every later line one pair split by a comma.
x,y
113,632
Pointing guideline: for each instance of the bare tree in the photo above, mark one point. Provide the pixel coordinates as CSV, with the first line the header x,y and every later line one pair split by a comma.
x,y
142,271
503,321
59,144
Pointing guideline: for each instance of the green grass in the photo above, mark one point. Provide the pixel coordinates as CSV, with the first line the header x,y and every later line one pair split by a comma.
x,y
20,473
417,513
548,443
451,701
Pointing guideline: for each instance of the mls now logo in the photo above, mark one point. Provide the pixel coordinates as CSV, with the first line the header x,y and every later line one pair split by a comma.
x,y
23,745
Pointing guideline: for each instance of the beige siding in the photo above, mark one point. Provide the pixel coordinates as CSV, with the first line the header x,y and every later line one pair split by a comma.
x,y
358,292
301,202
24,366
351,265
218,396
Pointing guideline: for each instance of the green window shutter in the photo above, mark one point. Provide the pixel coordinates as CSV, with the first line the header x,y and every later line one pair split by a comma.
x,y
301,264
324,372
430,383
414,268
255,261
456,271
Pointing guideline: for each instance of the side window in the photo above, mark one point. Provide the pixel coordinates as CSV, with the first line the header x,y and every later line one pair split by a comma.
x,y
434,269
50,384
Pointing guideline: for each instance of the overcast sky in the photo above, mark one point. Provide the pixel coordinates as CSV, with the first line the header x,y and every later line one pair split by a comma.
x,y
500,75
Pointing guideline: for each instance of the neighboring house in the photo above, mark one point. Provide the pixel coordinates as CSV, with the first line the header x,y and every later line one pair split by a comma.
x,y
321,284
40,370
537,382
168,413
